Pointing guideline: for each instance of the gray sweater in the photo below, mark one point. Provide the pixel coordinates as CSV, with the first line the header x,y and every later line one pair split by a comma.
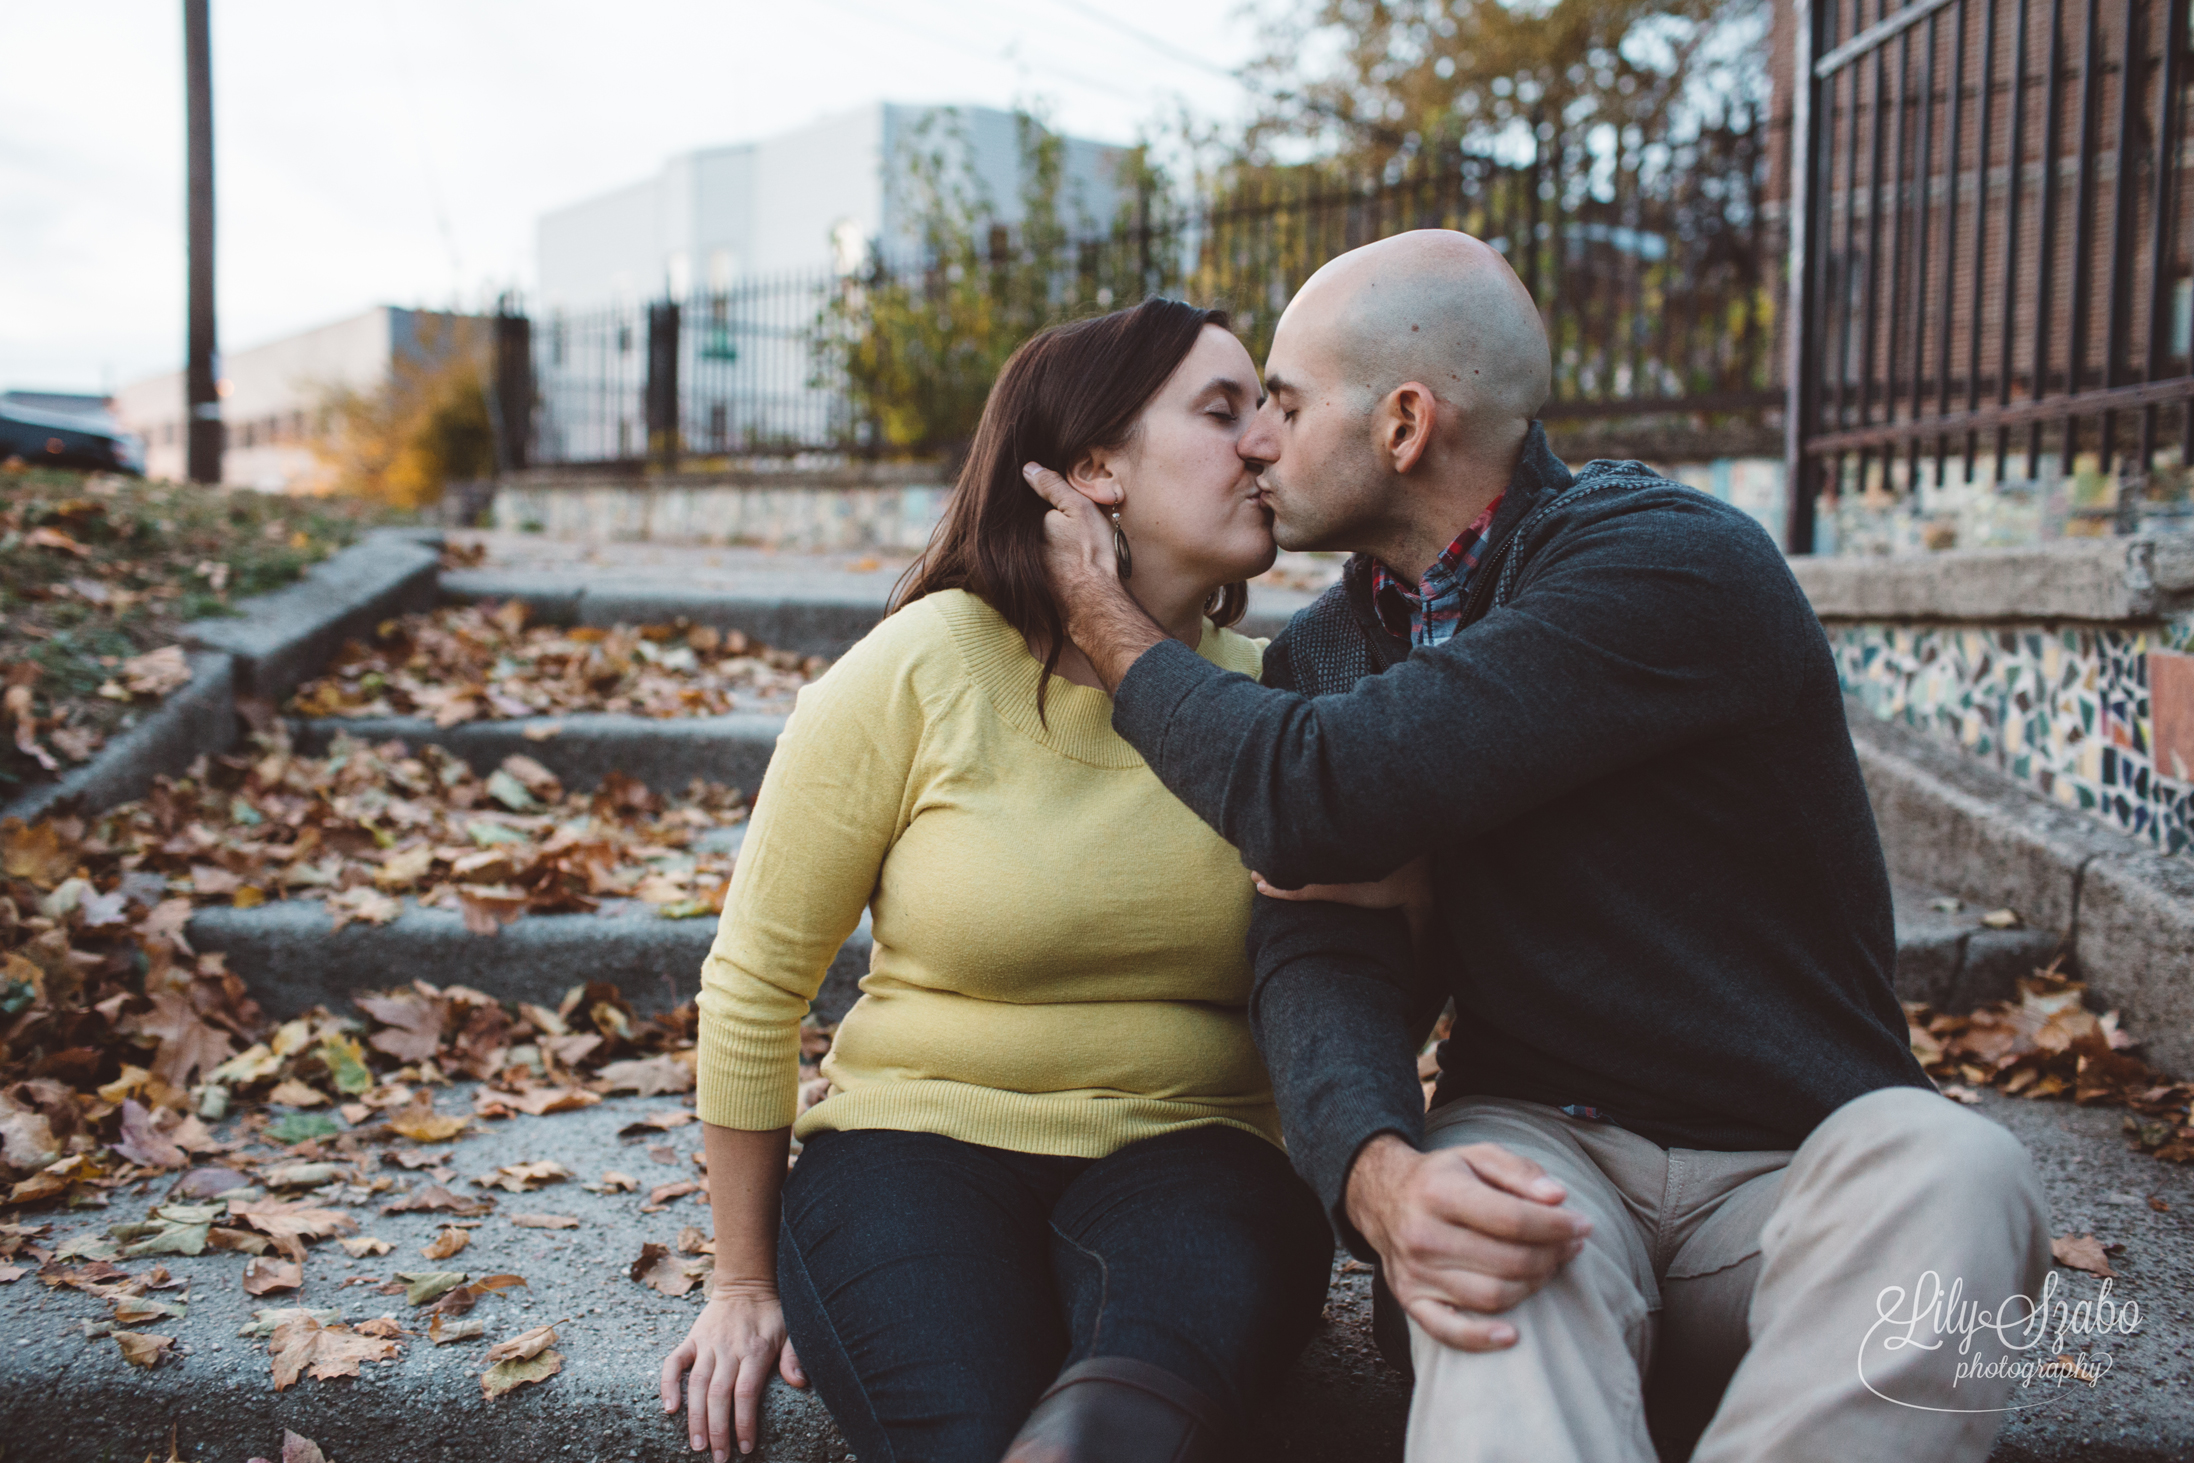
x,y
1662,892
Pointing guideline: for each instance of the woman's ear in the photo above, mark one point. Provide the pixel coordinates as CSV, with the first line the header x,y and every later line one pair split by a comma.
x,y
1096,477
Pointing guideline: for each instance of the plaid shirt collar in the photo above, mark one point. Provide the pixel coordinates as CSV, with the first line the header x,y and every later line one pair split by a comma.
x,y
1428,614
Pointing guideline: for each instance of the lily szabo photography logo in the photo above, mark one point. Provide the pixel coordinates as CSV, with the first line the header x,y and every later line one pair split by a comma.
x,y
2046,1346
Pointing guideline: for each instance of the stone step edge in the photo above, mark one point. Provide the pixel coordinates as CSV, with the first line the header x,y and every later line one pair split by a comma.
x,y
2125,910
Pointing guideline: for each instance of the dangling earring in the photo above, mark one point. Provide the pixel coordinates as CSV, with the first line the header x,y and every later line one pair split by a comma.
x,y
1119,541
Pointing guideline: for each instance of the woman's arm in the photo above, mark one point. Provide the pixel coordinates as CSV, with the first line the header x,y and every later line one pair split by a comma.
x,y
740,1334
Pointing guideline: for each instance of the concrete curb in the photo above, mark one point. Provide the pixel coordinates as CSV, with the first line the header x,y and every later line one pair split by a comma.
x,y
284,638
1954,962
806,613
2127,911
665,753
2112,579
68,1399
197,721
292,960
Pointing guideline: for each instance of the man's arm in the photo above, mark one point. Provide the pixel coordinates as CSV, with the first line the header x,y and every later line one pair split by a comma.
x,y
1648,627
1331,1011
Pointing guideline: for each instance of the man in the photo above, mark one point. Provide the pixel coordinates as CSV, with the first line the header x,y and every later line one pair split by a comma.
x,y
1679,1139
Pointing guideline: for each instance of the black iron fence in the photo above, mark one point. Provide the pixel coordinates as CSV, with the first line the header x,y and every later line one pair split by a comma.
x,y
1654,261
1992,246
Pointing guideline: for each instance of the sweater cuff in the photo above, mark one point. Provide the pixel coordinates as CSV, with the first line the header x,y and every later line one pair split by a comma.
x,y
1326,1167
1152,690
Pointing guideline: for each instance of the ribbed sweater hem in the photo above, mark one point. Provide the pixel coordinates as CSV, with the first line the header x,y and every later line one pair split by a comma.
x,y
1067,1124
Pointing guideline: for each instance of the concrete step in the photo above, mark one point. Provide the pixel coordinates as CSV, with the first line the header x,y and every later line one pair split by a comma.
x,y
65,1398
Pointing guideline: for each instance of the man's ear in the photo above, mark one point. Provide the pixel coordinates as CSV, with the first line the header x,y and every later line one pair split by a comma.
x,y
1404,424
1096,478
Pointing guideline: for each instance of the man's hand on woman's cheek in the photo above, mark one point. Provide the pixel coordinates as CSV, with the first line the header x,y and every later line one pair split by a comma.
x,y
1103,619
1462,1233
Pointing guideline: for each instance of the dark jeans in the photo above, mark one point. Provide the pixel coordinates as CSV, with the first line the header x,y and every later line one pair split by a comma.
x,y
934,1288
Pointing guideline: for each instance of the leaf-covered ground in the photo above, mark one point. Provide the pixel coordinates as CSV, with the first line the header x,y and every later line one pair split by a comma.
x,y
98,574
465,663
2047,1044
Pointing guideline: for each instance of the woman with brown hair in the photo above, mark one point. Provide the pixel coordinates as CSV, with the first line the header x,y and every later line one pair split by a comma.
x,y
1043,1210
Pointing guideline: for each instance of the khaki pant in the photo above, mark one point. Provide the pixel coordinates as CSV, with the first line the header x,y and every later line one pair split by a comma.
x,y
1764,1270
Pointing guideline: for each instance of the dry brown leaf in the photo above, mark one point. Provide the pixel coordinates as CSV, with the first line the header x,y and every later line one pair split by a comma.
x,y
365,1245
612,1182
659,1270
297,1449
143,1348
442,1332
535,1101
504,1376
487,908
263,1276
662,1194
438,1199
694,1240
142,1140
301,1346
156,672
520,1178
382,1326
291,1218
422,1124
447,1243
545,1221
523,1345
647,1077
2081,1252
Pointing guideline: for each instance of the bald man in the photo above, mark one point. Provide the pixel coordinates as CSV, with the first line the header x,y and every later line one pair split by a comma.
x,y
1681,1163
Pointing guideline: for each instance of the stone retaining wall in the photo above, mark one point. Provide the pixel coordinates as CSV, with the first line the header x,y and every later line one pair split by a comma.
x,y
2034,662
843,506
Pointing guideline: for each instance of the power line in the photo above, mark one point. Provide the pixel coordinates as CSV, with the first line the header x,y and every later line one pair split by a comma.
x,y
954,43
1156,43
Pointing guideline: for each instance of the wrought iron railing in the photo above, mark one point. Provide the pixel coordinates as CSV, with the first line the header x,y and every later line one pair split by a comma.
x,y
1990,246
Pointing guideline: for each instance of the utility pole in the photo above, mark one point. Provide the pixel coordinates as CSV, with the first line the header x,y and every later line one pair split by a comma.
x,y
201,392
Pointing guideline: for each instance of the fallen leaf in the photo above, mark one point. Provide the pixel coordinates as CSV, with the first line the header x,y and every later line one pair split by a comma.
x,y
447,1243
658,1270
464,1297
363,904
536,1101
302,1346
435,1197
544,1221
504,1376
284,1217
2081,1252
647,1077
143,1142
292,1093
442,1332
422,1286
263,1276
368,1244
487,909
2001,919
657,1122
383,1326
143,1348
662,1194
300,1127
156,672
694,1240
519,1178
241,1241
297,1449
523,1345
612,1182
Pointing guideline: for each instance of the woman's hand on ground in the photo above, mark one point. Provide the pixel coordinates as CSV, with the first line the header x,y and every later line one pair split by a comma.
x,y
736,1341
1406,886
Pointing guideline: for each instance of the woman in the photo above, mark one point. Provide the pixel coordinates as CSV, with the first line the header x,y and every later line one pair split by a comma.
x,y
1043,1211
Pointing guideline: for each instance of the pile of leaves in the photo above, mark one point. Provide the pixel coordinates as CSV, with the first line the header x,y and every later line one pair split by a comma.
x,y
490,661
366,825
98,574
2047,1044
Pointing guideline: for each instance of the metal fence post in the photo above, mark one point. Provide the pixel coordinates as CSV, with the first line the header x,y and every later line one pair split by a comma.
x,y
662,382
512,384
1802,375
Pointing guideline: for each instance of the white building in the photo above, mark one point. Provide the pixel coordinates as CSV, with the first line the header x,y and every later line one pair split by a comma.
x,y
801,203
271,396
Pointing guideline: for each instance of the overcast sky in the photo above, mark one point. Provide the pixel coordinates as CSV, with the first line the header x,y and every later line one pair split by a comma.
x,y
399,151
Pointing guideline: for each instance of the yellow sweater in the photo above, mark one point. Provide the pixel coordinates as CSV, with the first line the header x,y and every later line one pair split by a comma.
x,y
1058,962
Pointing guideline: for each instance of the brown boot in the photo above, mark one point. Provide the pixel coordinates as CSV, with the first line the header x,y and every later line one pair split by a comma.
x,y
1114,1409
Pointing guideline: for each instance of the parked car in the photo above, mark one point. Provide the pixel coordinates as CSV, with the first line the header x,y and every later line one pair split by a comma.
x,y
57,439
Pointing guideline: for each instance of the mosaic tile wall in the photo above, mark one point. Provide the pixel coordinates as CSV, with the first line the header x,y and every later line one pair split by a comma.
x,y
2064,710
